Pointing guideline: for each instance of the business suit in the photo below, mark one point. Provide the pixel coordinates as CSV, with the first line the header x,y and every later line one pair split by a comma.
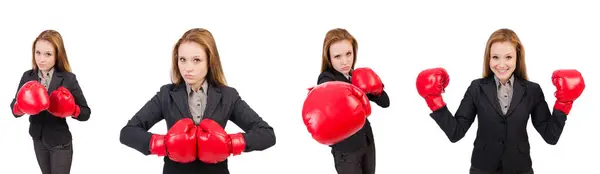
x,y
51,135
502,143
355,154
171,104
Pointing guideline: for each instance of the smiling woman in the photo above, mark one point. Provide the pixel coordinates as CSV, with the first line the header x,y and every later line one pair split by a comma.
x,y
503,101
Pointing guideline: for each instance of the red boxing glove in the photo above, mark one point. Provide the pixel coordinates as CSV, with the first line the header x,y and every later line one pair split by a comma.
x,y
32,98
157,145
179,143
335,110
569,85
213,142
367,80
62,103
431,84
238,143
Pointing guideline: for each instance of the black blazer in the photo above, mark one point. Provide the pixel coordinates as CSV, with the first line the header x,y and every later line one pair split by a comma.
x,y
171,104
364,136
44,126
502,138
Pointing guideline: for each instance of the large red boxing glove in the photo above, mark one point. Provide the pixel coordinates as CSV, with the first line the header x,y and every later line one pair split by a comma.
x,y
179,143
32,98
62,103
215,145
431,84
569,86
367,80
334,110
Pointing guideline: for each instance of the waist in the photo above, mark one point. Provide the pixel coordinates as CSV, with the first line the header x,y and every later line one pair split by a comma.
x,y
46,118
194,167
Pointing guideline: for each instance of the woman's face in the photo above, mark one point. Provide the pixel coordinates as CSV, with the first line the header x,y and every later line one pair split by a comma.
x,y
341,54
503,60
192,62
44,55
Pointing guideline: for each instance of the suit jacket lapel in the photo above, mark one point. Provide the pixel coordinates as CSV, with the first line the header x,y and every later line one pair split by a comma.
x,y
519,89
33,76
56,80
339,76
179,96
214,97
490,90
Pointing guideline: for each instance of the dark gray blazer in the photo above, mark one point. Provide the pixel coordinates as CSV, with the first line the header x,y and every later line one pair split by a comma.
x,y
54,130
171,104
501,138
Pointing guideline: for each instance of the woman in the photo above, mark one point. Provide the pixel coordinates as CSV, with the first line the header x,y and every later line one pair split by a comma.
x,y
503,100
196,107
49,93
355,154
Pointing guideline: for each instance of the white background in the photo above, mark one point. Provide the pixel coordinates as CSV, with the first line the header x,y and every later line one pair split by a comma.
x,y
271,52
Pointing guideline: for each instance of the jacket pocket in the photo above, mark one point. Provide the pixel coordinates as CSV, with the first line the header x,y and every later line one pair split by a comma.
x,y
523,148
480,146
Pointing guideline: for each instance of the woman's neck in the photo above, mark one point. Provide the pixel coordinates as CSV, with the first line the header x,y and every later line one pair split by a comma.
x,y
197,86
45,73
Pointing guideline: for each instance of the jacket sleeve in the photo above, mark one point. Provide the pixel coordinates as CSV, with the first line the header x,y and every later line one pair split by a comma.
x,y
549,126
12,104
84,109
258,134
135,134
382,100
456,126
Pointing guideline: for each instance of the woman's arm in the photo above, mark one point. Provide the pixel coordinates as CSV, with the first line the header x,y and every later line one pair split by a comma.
x,y
135,134
382,100
548,125
456,126
12,104
84,109
258,134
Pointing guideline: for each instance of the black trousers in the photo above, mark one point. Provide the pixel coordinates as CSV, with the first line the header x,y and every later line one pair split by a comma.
x,y
53,159
474,170
358,162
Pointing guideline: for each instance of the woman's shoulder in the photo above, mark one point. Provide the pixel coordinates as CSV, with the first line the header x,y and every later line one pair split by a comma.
x,y
325,76
226,91
480,81
531,85
169,87
28,72
325,73
68,75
